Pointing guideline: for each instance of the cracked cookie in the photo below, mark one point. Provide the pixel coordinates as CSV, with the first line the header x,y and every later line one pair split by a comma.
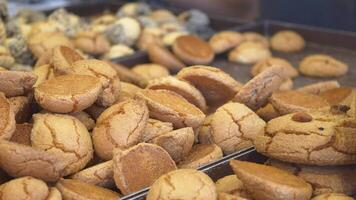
x,y
127,91
342,95
168,106
255,37
85,118
7,118
332,196
139,166
267,112
119,126
164,57
91,43
216,86
155,128
234,127
201,154
313,138
150,71
183,184
270,183
203,132
60,95
63,58
16,83
249,53
290,71
287,41
43,73
320,65
233,186
225,40
319,87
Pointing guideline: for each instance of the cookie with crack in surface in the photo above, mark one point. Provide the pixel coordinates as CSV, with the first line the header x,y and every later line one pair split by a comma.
x,y
63,57
319,87
43,73
16,83
342,95
127,91
201,154
225,40
320,65
7,118
155,128
85,118
203,132
269,62
287,41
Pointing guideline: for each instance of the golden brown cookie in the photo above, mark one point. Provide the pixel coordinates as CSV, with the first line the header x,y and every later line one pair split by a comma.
x,y
55,134
287,84
204,131
6,59
192,50
54,194
319,87
216,86
139,166
255,37
62,58
255,93
186,90
164,57
320,65
183,184
342,95
148,39
155,128
267,112
91,43
226,196
22,107
269,62
74,189
7,118
313,138
16,83
85,118
119,126
127,91
117,51
249,53
22,134
234,127
150,71
225,40
168,106
293,101
127,75
177,143
201,154
43,73
61,95
287,41
270,183
332,196
100,175
230,184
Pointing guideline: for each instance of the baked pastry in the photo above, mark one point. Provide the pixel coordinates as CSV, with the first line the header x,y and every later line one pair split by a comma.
x,y
91,43
183,184
267,112
150,71
177,143
63,58
117,51
162,16
342,95
287,84
249,53
255,37
147,39
195,21
186,90
95,111
169,38
203,132
62,96
255,93
19,50
6,59
16,83
164,57
125,30
200,155
216,86
192,50
320,65
293,101
54,194
22,134
332,196
138,167
7,118
119,126
328,135
319,87
225,40
155,128
269,183
22,107
234,127
287,41
85,118
133,9
127,75
43,73
269,62
127,91
168,106
226,196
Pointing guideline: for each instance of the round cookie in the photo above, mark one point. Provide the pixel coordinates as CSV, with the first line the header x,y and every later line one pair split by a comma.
x,y
269,62
233,186
319,87
125,30
147,39
328,136
168,106
60,95
127,91
256,92
183,184
267,112
16,83
55,134
255,37
201,154
287,84
270,183
320,65
170,38
139,166
54,194
85,118
249,53
186,90
342,95
226,196
117,51
287,41
177,143
43,73
155,128
192,50
150,71
225,40
216,86
162,16
204,131
332,196
91,43
164,57
62,58
293,101
7,118
127,75
234,127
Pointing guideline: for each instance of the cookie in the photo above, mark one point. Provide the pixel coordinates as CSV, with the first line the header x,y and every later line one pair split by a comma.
x,y
125,30
216,86
91,43
162,16
287,41
43,73
177,143
164,57
22,134
200,155
269,62
7,118
204,131
134,9
127,91
147,39
117,51
319,87
269,183
293,101
249,53
95,111
170,38
332,196
183,184
255,37
16,83
55,134
226,196
99,175
127,75
192,50
138,167
234,127
54,194
6,59
328,135
186,90
85,118
267,112
150,71
62,96
342,95
230,184
119,126
74,189
155,128
62,58
255,92
320,65
168,106
225,40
